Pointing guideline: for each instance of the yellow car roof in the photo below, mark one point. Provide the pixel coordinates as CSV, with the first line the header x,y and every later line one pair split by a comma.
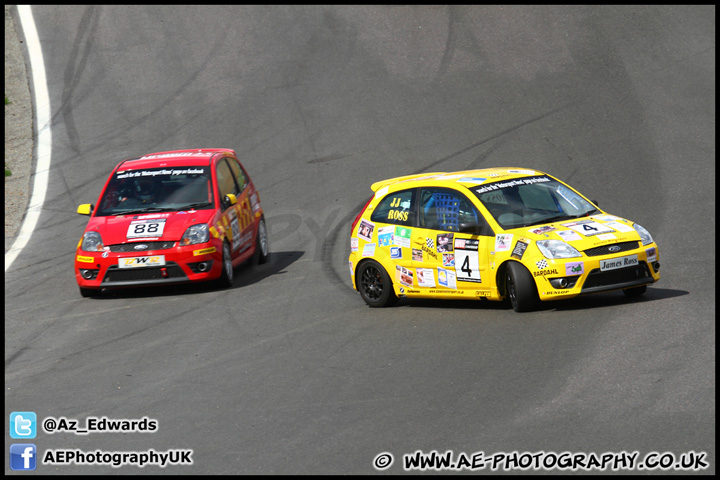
x,y
463,176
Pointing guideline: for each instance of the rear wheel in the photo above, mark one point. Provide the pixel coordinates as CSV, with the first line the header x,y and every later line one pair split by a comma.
x,y
520,288
374,285
228,273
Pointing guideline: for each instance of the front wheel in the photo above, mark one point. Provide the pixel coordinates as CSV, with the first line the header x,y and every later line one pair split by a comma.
x,y
374,285
262,245
227,274
520,288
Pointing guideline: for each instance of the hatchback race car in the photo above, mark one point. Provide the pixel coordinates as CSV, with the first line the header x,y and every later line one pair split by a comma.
x,y
168,218
512,234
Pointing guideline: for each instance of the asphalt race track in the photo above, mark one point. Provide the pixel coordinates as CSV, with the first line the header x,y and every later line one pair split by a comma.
x,y
289,372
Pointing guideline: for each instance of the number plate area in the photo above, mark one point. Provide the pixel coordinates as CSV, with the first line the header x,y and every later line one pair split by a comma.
x,y
621,262
136,262
148,228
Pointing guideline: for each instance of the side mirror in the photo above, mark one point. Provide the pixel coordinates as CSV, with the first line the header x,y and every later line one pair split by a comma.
x,y
230,199
85,209
596,203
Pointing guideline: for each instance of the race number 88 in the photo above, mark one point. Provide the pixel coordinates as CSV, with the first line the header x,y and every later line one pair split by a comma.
x,y
145,229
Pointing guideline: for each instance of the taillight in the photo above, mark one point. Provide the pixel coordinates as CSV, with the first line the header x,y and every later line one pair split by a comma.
x,y
352,229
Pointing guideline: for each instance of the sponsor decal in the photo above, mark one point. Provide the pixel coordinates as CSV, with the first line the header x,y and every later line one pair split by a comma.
x,y
606,236
354,244
429,243
427,250
448,260
365,230
651,254
254,202
368,250
541,230
568,235
134,262
541,263
425,277
542,273
503,241
352,273
574,268
83,259
446,278
417,255
402,236
395,252
519,250
472,180
204,251
445,242
620,227
621,262
404,276
386,236
512,183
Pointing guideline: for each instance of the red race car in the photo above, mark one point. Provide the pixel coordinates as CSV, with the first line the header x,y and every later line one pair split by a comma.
x,y
171,217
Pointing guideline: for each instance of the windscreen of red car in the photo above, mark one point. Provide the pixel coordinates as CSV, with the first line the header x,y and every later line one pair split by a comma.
x,y
157,190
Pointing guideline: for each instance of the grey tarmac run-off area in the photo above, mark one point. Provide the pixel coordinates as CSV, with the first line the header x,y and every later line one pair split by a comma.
x,y
18,131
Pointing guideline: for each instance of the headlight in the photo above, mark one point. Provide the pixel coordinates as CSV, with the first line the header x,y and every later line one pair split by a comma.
x,y
557,249
196,234
644,234
92,242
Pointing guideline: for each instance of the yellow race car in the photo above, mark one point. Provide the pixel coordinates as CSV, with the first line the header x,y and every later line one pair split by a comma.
x,y
498,233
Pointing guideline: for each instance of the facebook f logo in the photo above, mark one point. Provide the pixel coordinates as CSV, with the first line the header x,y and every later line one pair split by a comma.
x,y
23,456
23,425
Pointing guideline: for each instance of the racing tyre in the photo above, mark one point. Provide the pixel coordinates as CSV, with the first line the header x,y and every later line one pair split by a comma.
x,y
520,288
635,291
374,285
228,273
89,292
262,245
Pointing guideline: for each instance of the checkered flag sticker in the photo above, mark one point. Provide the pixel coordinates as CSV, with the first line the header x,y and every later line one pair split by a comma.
x,y
429,242
541,264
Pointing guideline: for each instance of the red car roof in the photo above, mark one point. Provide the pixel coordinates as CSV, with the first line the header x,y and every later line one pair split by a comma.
x,y
178,158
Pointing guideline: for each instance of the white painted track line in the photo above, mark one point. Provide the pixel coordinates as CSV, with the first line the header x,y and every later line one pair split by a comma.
x,y
43,140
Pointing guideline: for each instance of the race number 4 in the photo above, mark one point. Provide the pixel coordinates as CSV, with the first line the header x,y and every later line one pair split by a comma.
x,y
467,267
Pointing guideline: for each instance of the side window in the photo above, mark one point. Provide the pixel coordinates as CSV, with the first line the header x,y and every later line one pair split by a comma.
x,y
397,208
226,182
239,173
445,209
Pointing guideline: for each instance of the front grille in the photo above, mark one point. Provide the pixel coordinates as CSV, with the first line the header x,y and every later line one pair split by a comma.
x,y
605,249
130,247
143,274
597,279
